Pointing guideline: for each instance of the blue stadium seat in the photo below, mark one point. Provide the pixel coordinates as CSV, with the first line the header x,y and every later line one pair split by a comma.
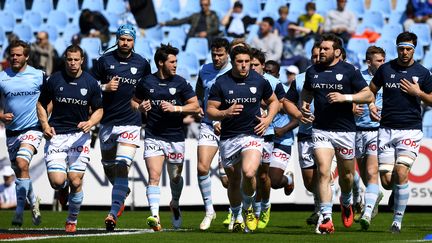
x,y
198,46
253,31
51,30
294,15
59,19
391,31
308,46
221,7
3,38
178,33
389,47
93,48
297,6
184,72
173,42
323,6
113,20
274,15
143,47
15,7
273,6
189,61
60,45
423,33
383,6
71,30
251,8
8,21
116,6
70,7
94,5
374,18
32,18
154,34
172,6
427,124
191,6
24,32
43,7
427,60
359,46
397,17
401,5
357,7
163,15
419,53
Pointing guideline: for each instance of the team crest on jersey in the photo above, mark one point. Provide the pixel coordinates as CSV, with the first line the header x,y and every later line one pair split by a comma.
x,y
172,90
133,70
111,66
253,90
415,79
339,77
151,90
61,88
83,91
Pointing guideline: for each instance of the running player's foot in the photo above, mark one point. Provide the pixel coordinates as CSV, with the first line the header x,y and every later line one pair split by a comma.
x,y
395,228
238,226
358,211
326,227
347,215
391,201
206,222
176,218
231,223
365,222
110,222
63,196
264,218
36,215
249,218
288,189
122,207
375,209
153,222
227,221
70,227
312,219
17,220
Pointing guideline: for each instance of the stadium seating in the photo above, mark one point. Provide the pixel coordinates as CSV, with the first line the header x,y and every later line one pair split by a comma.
x,y
383,6
43,7
70,7
113,19
8,21
24,32
58,19
427,60
3,38
32,18
397,17
51,30
93,48
273,6
389,47
357,7
423,33
143,47
427,124
198,46
359,46
323,6
164,15
251,8
72,30
15,7
419,53
60,45
391,31
188,61
116,6
374,18
170,6
94,5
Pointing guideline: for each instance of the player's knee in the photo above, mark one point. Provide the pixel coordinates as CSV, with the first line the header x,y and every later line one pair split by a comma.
x,y
125,154
24,154
405,161
275,181
75,183
203,169
249,174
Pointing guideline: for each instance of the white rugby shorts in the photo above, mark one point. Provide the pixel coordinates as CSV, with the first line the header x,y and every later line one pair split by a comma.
x,y
173,151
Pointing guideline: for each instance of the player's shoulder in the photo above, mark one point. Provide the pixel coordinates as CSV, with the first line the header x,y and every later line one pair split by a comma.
x,y
34,71
89,78
206,68
139,59
348,67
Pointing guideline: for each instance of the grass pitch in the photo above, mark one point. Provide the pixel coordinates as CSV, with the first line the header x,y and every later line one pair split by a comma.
x,y
283,227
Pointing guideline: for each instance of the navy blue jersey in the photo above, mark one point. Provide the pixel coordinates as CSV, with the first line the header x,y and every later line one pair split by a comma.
x,y
117,106
248,92
72,99
343,78
161,125
401,110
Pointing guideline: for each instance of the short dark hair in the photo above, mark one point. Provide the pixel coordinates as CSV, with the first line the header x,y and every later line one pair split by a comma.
x,y
258,54
310,6
269,20
337,42
220,43
374,50
163,51
405,37
274,63
239,50
316,44
20,43
74,48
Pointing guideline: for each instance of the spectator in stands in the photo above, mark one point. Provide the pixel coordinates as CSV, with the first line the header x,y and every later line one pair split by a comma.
x,y
43,55
418,11
341,21
281,24
144,13
94,24
309,25
267,41
204,24
7,190
293,51
236,22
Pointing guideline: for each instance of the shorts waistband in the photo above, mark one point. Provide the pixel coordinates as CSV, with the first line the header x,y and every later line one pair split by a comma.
x,y
14,133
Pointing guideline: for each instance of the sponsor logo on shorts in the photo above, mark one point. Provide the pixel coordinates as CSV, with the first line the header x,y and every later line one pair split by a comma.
x,y
265,155
320,139
128,135
152,147
207,137
28,137
78,149
372,147
345,151
410,143
282,156
175,156
255,144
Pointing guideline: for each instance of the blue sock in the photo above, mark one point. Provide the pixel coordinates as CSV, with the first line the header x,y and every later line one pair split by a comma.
x,y
346,198
236,211
265,204
356,188
257,208
247,201
75,201
204,183
153,197
326,210
176,190
22,188
118,194
401,196
31,198
371,195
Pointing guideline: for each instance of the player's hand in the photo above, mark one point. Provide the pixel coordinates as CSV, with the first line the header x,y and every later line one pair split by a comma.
x,y
167,106
217,128
262,126
307,116
412,89
48,132
374,113
112,85
199,115
7,118
358,110
279,132
85,126
233,110
144,106
335,97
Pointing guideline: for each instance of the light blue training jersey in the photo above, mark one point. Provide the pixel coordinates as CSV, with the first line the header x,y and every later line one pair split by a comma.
x,y
20,93
305,129
364,122
280,120
207,76
273,82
